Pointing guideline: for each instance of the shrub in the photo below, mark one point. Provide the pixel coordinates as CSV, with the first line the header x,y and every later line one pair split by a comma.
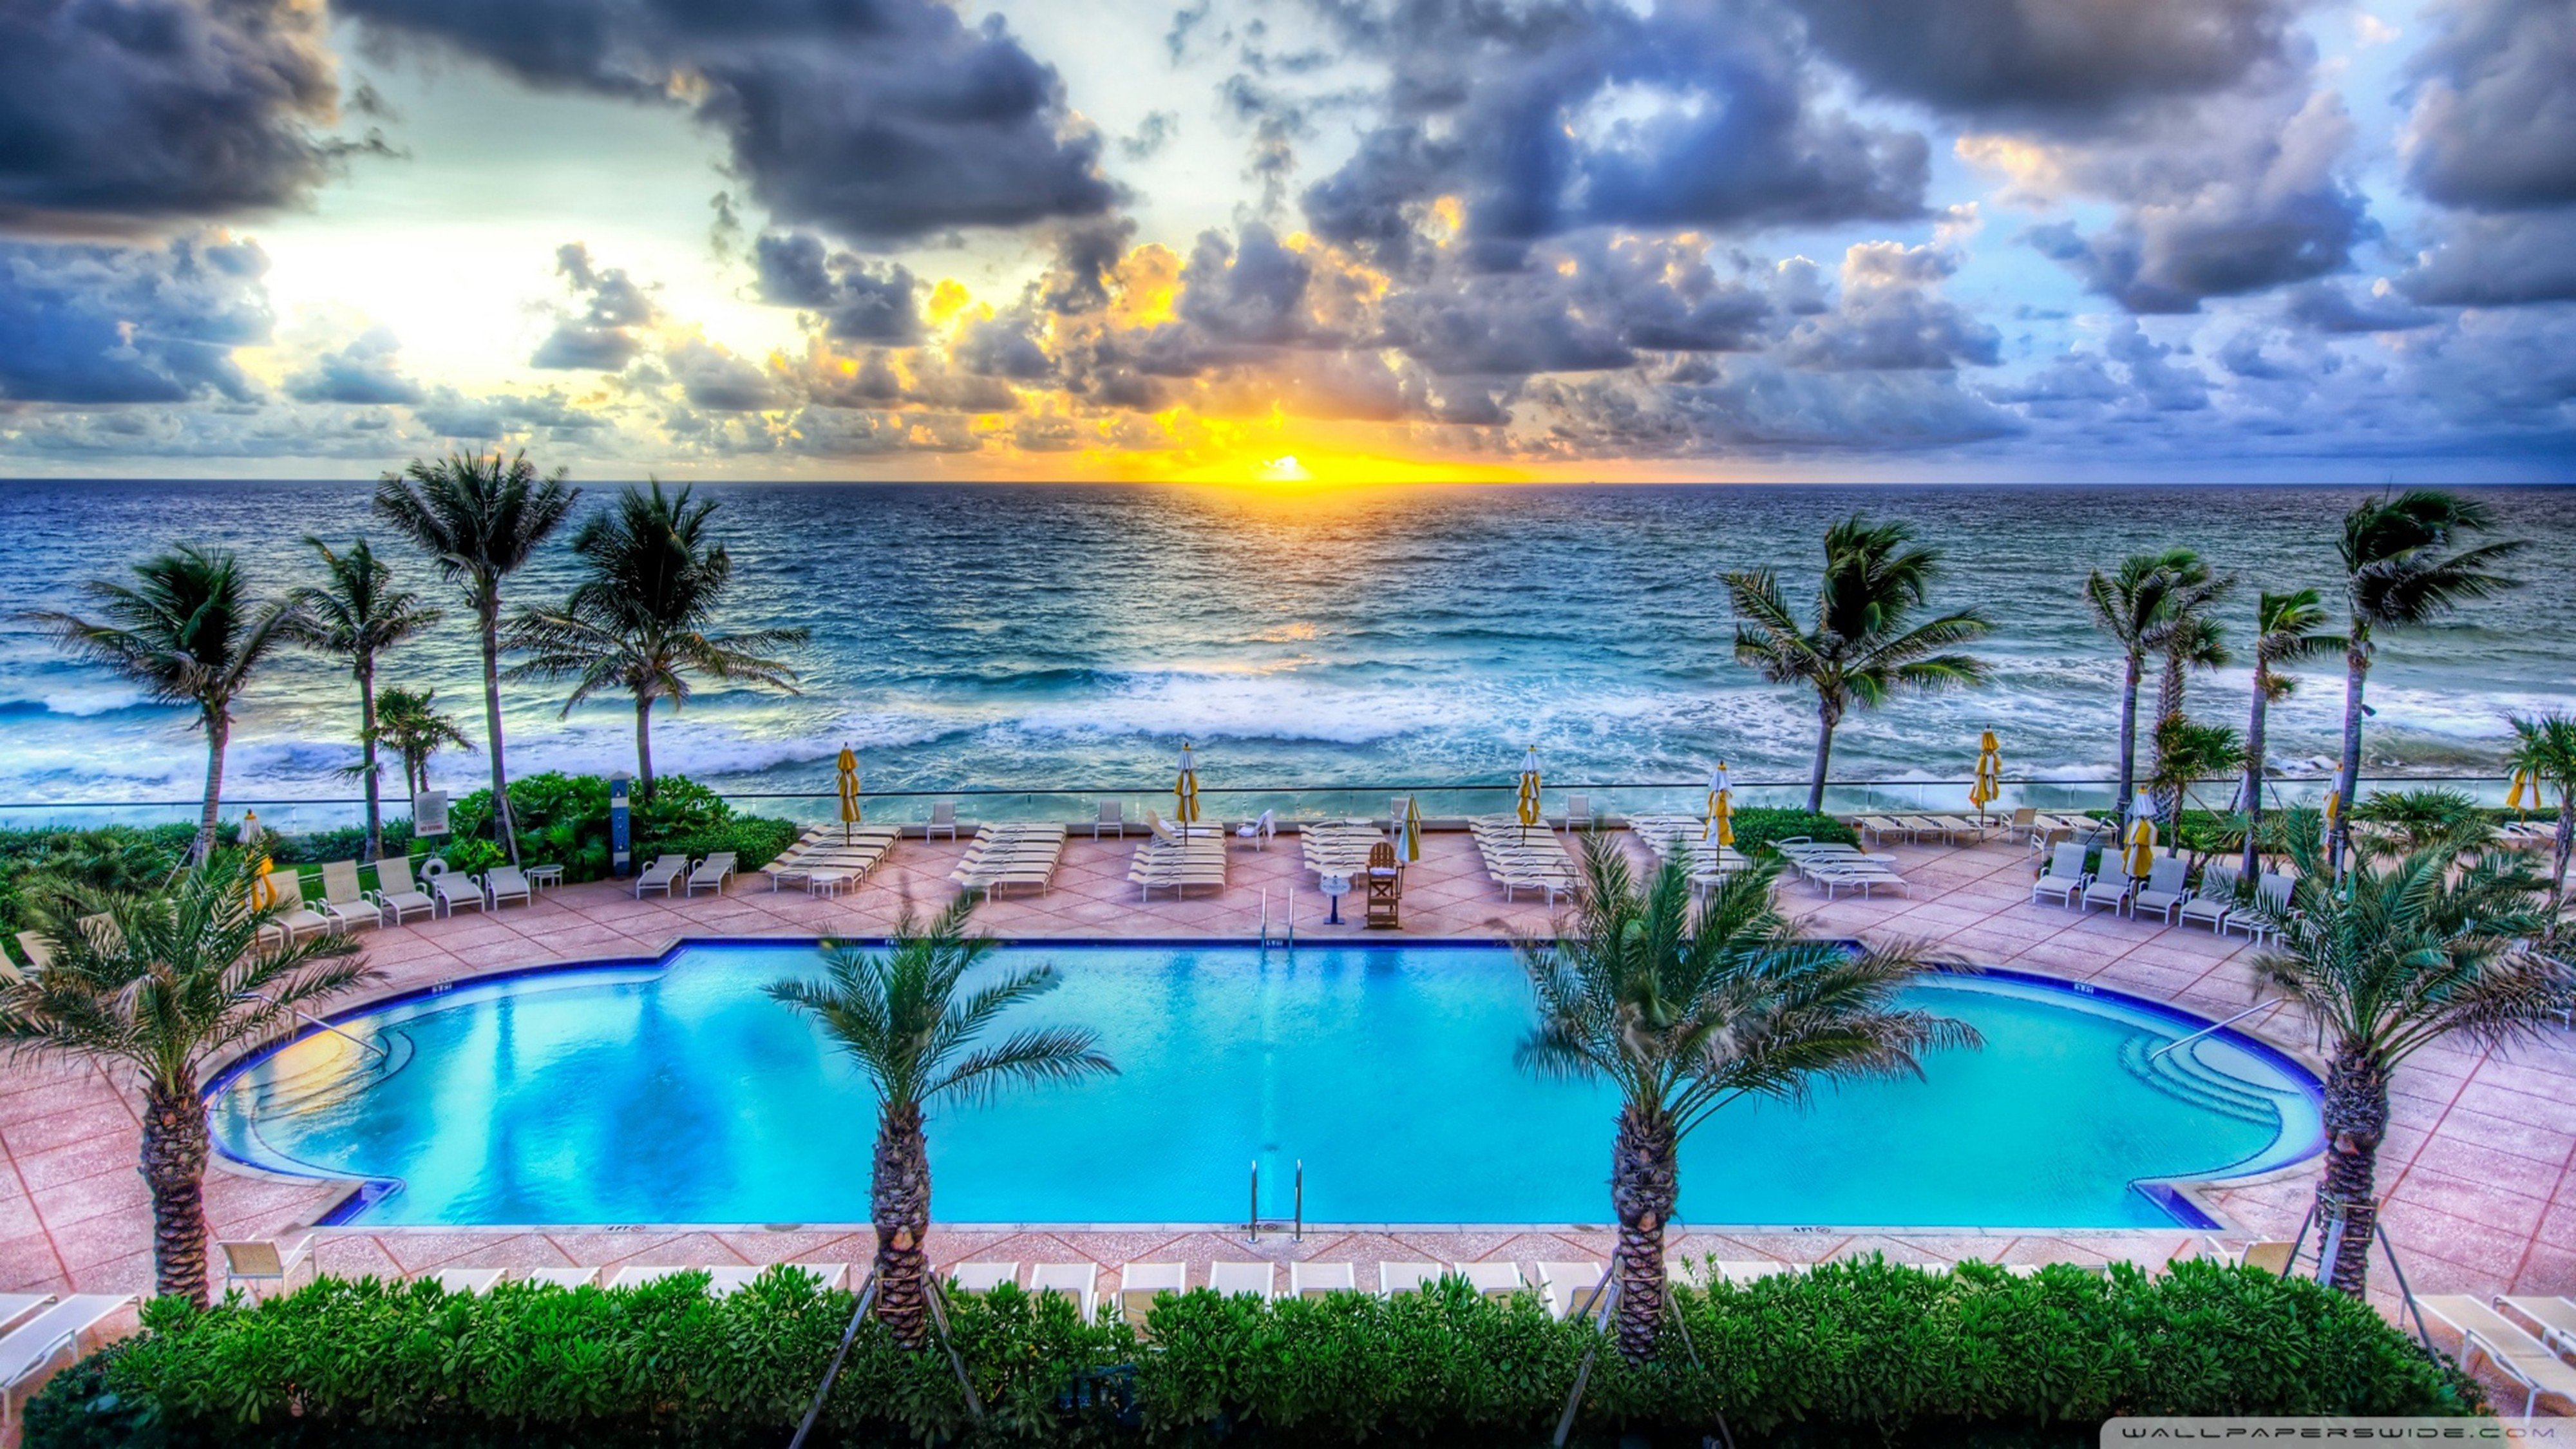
x,y
1864,1351
755,840
1756,827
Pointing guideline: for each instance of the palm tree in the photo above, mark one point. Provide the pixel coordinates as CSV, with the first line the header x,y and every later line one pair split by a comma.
x,y
2546,746
171,981
2288,629
480,517
357,615
908,1021
409,721
2129,604
1685,1011
1863,645
2400,571
637,621
2188,750
186,631
2188,640
2391,957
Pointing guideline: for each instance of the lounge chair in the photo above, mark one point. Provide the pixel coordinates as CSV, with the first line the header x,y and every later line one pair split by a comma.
x,y
1260,831
2516,1354
661,875
455,888
981,1278
712,873
1496,1280
1077,1281
2275,1257
14,1306
1139,1284
396,893
40,953
2271,901
1394,1278
2110,889
2556,1318
1572,1289
466,1281
640,1274
1878,828
286,888
1113,818
1314,1280
2163,892
1259,1279
943,816
1689,1272
2064,876
733,1279
2215,898
263,1262
2024,821
343,901
507,883
32,1345
565,1278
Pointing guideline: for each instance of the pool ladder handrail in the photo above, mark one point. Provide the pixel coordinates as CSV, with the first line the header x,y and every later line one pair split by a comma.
x,y
1297,1225
312,1020
2275,1004
1287,933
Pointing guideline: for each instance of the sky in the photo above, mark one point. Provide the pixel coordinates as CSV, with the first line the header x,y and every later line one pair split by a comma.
x,y
1292,240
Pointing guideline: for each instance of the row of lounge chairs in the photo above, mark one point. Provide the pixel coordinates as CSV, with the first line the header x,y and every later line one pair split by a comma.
x,y
1339,847
1177,857
1832,867
2163,890
1950,828
36,1328
1710,862
2533,1361
669,871
1010,855
832,856
1524,857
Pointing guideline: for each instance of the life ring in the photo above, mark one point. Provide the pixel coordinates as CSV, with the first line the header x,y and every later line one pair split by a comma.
x,y
433,868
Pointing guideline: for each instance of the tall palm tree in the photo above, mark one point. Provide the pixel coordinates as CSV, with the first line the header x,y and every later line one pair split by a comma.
x,y
356,615
2130,605
1863,644
480,517
1687,1010
171,981
186,631
2401,571
2546,746
652,585
2189,640
2288,629
906,1017
2395,955
409,721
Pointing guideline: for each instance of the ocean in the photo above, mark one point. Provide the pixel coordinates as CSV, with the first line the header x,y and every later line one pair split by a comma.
x,y
1072,637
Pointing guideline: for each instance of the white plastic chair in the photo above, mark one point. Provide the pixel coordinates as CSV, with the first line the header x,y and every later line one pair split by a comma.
x,y
943,816
1260,831
1113,818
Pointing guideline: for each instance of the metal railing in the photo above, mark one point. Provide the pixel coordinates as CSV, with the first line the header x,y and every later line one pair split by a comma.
x,y
2275,1004
310,1019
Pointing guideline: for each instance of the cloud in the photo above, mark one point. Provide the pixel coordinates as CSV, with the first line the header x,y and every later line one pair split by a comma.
x,y
493,417
363,373
717,380
1891,317
2494,125
602,336
2329,308
126,111
95,323
2498,261
856,300
875,120
1752,406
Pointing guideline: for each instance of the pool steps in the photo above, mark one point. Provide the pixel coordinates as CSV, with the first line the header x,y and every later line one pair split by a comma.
x,y
2182,1074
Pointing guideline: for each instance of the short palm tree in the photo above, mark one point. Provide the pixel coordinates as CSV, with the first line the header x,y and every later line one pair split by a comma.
x,y
2289,629
2190,641
2131,605
2394,956
2188,750
410,724
1686,1010
2402,571
2546,746
907,1018
1863,644
171,981
356,615
479,518
652,584
185,631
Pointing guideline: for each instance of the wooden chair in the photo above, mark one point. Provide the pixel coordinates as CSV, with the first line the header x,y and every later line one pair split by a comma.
x,y
1385,884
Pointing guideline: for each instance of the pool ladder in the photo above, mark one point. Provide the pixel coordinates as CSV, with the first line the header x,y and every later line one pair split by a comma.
x,y
1252,1223
1285,933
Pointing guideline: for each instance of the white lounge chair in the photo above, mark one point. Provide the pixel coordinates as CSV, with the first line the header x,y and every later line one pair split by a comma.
x,y
30,1346
286,888
712,873
1259,1279
2271,902
1314,1280
2215,898
1394,1278
260,1261
1077,1281
661,875
507,883
641,1274
2556,1318
565,1278
733,1278
2063,878
396,893
343,901
1496,1280
978,1278
14,1306
2163,892
466,1281
454,888
1259,832
2110,888
2516,1354
1139,1284
1572,1289
40,953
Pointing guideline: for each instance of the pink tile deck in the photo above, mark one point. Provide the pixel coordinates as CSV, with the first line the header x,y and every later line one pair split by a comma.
x,y
2477,1172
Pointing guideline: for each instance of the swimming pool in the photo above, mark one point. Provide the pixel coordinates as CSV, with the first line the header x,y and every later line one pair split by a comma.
x,y
675,1092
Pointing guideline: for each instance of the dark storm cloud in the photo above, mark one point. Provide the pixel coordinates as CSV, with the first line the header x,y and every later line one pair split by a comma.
x,y
1251,292
1547,117
119,111
876,120
1005,346
365,372
856,300
1086,251
601,337
2501,260
2048,61
1719,406
2494,126
84,323
2326,307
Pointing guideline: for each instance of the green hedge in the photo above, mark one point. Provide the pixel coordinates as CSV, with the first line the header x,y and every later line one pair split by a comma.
x,y
1856,1351
1759,825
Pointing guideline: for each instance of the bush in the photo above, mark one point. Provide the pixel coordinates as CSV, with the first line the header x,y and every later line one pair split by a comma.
x,y
564,819
1756,827
755,840
1864,1351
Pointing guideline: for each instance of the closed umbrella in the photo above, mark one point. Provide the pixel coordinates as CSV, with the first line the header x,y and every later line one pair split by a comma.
x,y
1989,786
2524,786
2334,802
848,768
1412,828
1528,803
1185,790
1721,808
2142,845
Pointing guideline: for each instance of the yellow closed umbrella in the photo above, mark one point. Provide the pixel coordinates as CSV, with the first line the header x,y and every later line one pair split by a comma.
x,y
1185,790
2523,784
1989,785
848,768
2142,846
1412,828
1721,808
1528,803
2334,802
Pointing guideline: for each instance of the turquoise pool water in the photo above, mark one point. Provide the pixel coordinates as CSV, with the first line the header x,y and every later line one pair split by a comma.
x,y
678,1093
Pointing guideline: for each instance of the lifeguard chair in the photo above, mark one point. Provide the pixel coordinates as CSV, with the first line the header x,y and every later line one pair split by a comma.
x,y
1385,884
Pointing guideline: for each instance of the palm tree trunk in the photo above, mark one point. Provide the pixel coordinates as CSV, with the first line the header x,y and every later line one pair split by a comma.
x,y
1826,718
218,728
2356,674
2559,853
1645,1178
367,733
2253,801
2356,1120
503,827
174,1167
899,1206
644,743
2128,735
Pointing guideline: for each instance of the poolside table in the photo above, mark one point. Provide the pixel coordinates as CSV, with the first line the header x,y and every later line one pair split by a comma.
x,y
540,877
